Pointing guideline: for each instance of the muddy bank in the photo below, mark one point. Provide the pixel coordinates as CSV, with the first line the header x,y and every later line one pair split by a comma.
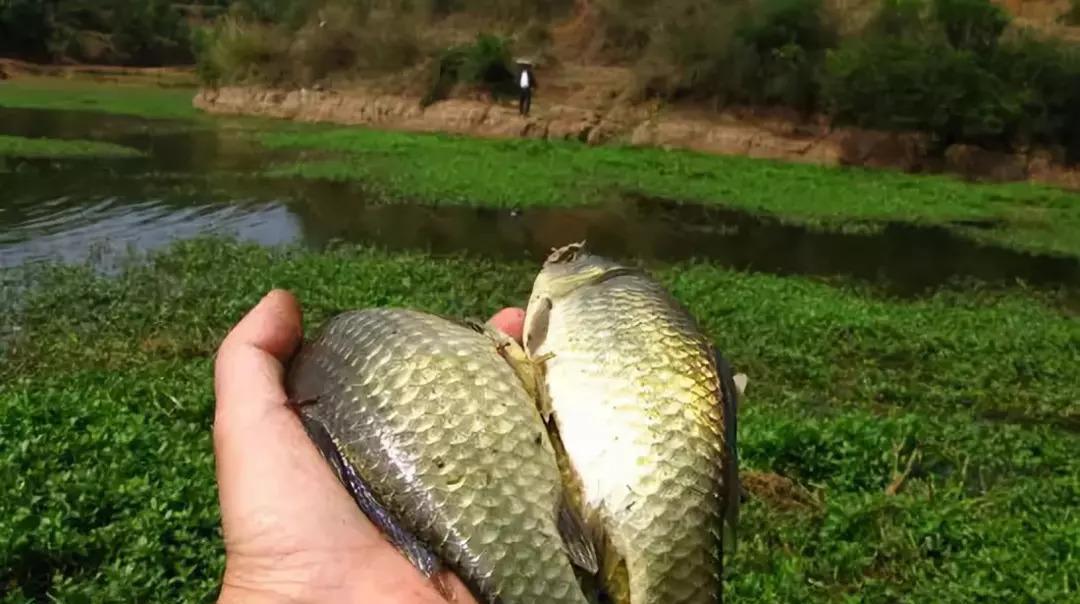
x,y
724,133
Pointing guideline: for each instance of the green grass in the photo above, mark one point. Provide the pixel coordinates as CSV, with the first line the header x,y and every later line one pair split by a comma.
x,y
458,170
17,146
80,94
106,404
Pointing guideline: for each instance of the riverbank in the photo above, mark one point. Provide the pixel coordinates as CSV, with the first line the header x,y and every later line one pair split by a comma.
x,y
595,119
976,391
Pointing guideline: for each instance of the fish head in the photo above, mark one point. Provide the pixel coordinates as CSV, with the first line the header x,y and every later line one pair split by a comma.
x,y
566,270
569,267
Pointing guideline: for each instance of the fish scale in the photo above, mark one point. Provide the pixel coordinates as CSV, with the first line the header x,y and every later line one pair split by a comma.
x,y
441,429
636,396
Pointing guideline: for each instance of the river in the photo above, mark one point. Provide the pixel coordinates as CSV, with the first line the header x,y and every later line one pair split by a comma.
x,y
205,178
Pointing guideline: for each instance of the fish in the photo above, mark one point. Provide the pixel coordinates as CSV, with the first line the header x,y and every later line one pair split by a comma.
x,y
440,442
644,410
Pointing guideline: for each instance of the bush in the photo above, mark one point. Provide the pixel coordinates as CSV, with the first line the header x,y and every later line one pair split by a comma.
x,y
912,85
138,32
1045,76
947,68
484,64
769,52
25,28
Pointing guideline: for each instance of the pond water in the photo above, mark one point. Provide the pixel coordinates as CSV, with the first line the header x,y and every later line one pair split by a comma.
x,y
203,178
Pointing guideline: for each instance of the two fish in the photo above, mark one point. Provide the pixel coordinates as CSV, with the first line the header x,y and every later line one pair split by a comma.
x,y
597,459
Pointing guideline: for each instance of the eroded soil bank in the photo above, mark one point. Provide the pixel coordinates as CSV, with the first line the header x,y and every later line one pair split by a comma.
x,y
726,133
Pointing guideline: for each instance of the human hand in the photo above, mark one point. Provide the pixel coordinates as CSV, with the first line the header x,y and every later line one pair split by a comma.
x,y
292,532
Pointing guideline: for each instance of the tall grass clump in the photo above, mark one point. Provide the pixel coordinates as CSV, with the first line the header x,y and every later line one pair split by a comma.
x,y
302,47
241,51
345,37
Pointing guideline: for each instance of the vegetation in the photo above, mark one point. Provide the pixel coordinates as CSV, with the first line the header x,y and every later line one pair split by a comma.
x,y
130,32
457,170
952,68
79,94
957,69
768,52
106,406
484,64
17,146
1072,17
305,47
954,74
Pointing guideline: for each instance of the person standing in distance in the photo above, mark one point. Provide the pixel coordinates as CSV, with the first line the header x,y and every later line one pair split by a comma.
x,y
528,84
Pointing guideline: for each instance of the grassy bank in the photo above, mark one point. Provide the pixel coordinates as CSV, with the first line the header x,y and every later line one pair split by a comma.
x,y
80,93
18,146
105,401
515,173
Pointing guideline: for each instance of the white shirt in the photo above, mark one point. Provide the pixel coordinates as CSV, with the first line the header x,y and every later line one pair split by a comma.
x,y
524,78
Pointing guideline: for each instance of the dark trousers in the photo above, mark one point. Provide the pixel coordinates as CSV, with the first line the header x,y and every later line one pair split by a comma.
x,y
525,101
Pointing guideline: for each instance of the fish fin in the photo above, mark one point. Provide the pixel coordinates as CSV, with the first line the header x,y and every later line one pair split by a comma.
x,y
741,381
730,409
576,539
535,330
414,550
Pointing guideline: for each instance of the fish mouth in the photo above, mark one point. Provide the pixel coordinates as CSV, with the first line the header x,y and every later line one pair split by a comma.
x,y
566,253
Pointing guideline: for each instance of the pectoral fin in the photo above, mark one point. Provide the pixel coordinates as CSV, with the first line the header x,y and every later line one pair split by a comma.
x,y
741,382
730,409
537,316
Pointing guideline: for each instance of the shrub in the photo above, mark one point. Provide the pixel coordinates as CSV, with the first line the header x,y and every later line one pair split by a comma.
x,y
1045,76
767,52
485,64
141,32
911,84
947,68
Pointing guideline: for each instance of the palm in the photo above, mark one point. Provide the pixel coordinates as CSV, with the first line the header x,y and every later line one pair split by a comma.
x,y
291,530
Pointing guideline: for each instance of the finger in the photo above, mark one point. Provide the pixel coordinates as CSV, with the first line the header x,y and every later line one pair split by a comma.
x,y
510,321
250,362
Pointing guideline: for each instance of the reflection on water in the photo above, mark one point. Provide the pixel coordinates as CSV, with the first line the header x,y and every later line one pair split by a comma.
x,y
203,180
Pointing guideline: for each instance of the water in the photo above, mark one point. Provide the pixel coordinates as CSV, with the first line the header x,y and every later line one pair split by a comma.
x,y
199,180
